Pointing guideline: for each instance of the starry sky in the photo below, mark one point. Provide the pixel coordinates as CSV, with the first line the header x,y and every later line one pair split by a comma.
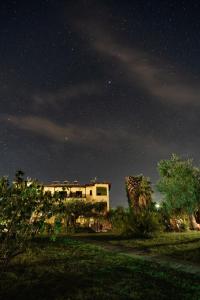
x,y
98,88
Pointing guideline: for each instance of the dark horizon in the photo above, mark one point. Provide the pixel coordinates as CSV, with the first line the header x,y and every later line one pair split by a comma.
x,y
98,88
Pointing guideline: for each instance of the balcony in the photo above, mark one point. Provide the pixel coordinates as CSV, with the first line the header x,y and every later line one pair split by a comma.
x,y
76,195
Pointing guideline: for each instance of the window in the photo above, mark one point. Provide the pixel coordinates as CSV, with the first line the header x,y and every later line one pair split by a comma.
x,y
90,192
101,191
79,194
62,194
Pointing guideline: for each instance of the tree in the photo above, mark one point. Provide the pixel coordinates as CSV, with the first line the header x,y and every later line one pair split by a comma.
x,y
69,211
23,209
139,192
180,184
118,218
19,177
142,219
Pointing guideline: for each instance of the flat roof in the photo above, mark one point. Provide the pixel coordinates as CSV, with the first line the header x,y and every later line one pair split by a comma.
x,y
71,184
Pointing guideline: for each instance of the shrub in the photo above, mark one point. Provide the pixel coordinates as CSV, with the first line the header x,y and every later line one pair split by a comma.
x,y
118,218
23,209
142,225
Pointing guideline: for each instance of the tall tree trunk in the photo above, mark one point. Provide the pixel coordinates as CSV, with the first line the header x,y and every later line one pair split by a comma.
x,y
194,225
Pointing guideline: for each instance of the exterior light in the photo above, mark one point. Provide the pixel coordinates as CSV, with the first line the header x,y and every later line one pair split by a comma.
x,y
157,205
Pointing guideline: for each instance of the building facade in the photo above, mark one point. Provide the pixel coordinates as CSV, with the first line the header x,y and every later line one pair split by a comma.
x,y
94,191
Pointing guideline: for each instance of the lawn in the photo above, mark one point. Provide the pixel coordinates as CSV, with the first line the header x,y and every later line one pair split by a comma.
x,y
183,246
70,269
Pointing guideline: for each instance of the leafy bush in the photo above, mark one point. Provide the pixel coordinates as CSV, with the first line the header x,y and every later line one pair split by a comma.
x,y
118,218
23,209
84,230
184,226
142,225
173,222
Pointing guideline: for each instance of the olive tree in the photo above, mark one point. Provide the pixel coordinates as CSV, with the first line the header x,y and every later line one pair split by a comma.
x,y
180,184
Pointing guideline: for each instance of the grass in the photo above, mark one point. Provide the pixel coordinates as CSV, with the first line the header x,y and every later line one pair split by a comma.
x,y
70,269
183,246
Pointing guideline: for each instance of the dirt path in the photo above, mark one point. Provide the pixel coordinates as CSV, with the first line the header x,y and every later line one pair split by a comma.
x,y
178,265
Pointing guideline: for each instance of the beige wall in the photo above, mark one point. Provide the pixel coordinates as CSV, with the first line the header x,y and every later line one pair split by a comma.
x,y
94,196
85,191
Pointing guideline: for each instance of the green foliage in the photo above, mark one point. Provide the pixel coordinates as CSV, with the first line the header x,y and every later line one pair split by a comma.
x,y
142,219
24,212
70,211
142,225
180,184
133,224
118,218
23,209
178,223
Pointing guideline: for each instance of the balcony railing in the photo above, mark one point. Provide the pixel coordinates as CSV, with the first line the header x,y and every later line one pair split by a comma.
x,y
75,195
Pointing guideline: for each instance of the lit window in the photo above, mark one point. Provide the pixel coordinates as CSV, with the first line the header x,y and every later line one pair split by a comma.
x,y
101,191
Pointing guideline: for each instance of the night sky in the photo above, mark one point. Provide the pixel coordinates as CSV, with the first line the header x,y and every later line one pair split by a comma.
x,y
98,88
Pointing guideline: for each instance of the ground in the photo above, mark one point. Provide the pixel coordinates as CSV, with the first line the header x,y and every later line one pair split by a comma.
x,y
183,246
80,267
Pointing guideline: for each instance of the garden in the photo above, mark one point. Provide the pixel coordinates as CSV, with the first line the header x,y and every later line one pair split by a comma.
x,y
150,252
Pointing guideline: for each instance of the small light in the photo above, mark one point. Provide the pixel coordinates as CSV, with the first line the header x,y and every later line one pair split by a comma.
x,y
157,205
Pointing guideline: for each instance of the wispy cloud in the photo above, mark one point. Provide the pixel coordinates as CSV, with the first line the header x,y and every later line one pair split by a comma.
x,y
155,77
114,138
62,96
71,133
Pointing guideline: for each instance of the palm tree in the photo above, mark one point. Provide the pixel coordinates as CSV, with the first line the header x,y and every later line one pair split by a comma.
x,y
139,192
19,177
145,192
